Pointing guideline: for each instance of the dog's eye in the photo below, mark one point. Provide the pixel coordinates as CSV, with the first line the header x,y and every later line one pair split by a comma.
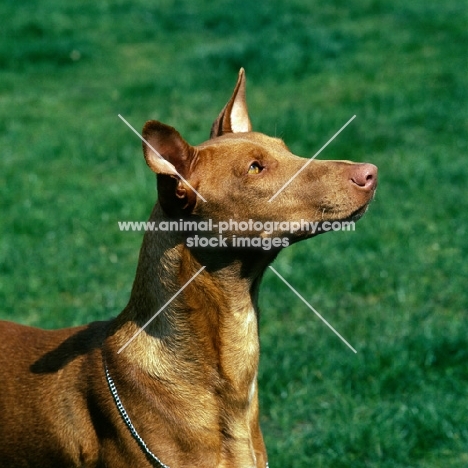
x,y
255,168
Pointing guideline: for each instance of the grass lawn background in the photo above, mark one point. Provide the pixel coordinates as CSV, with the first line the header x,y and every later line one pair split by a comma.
x,y
396,288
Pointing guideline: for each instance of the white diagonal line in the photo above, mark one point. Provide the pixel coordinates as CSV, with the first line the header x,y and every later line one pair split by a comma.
x,y
312,158
161,309
157,153
313,310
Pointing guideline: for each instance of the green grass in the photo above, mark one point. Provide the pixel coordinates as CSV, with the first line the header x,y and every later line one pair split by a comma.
x,y
395,288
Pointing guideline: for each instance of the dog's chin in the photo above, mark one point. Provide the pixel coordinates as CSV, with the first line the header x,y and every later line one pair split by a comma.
x,y
358,214
353,217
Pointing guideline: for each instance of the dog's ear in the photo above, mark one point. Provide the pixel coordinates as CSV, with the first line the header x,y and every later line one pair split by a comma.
x,y
166,152
234,118
170,157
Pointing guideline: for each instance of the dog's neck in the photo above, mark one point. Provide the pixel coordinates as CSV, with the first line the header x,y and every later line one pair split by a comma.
x,y
211,326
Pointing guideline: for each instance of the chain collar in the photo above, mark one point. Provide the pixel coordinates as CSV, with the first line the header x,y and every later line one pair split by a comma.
x,y
151,456
126,418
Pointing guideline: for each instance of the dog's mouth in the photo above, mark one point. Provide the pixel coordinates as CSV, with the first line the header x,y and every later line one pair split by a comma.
x,y
359,213
323,227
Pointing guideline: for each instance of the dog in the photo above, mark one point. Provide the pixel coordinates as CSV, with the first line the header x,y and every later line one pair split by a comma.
x,y
172,380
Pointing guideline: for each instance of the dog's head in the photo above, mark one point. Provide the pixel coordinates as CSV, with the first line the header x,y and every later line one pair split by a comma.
x,y
243,175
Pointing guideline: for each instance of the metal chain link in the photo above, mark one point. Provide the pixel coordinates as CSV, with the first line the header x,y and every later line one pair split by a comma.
x,y
129,424
128,421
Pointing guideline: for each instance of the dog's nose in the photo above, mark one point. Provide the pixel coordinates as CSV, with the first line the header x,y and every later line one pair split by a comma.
x,y
364,176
